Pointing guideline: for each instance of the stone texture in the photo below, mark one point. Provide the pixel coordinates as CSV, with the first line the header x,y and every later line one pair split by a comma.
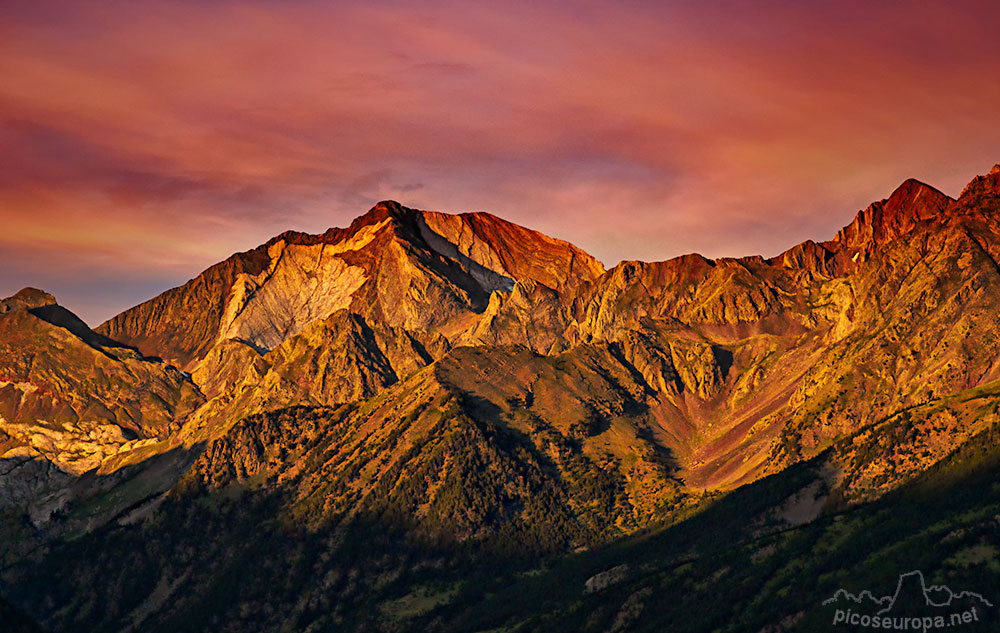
x,y
713,373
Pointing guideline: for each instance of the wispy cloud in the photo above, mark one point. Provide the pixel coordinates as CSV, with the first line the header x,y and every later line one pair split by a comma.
x,y
148,140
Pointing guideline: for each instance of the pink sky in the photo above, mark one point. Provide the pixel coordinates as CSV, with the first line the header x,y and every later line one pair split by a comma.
x,y
143,142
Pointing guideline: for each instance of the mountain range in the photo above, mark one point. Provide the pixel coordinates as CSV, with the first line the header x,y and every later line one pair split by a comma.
x,y
386,426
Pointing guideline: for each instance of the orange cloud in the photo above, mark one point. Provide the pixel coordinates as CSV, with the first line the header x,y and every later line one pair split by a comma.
x,y
148,140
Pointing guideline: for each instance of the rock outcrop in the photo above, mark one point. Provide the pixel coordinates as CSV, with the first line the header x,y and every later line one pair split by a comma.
x,y
70,401
465,383
401,267
734,368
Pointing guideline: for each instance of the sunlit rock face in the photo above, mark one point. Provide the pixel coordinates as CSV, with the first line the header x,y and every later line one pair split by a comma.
x,y
302,283
73,401
745,347
712,373
419,270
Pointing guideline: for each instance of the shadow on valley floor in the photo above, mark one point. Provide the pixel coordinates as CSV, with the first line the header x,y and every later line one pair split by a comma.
x,y
733,567
233,560
65,507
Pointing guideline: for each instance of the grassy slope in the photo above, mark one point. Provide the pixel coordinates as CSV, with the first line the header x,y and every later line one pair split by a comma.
x,y
229,557
720,572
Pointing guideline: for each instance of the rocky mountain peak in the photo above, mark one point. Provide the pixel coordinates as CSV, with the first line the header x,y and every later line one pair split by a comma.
x,y
400,266
881,222
392,208
27,299
911,202
986,185
914,200
456,378
386,209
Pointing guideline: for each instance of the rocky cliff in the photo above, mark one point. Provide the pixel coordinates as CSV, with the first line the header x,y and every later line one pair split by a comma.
x,y
745,365
456,383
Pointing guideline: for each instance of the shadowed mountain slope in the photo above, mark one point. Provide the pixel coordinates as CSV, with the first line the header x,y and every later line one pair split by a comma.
x,y
458,386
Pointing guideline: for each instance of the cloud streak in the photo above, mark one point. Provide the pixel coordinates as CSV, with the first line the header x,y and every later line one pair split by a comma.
x,y
145,141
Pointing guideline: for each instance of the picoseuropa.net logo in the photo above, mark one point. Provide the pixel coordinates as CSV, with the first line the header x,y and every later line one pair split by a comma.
x,y
913,607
